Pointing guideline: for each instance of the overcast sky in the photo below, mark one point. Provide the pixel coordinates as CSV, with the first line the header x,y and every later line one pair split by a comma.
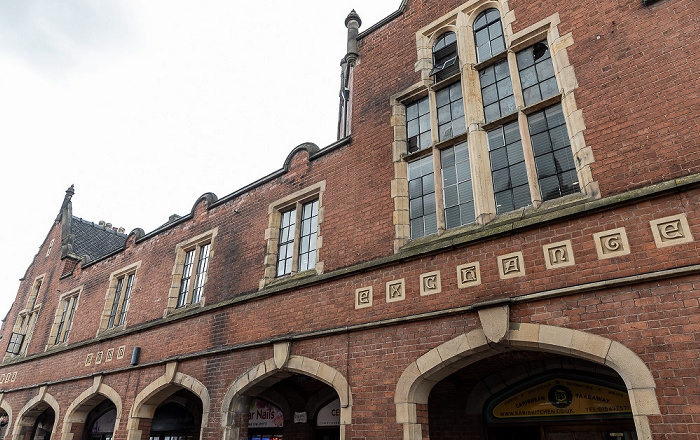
x,y
146,105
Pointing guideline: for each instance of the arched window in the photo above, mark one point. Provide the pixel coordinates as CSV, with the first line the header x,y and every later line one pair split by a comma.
x,y
488,35
445,59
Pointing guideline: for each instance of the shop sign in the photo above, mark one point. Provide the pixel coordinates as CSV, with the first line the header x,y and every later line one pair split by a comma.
x,y
561,398
265,415
329,414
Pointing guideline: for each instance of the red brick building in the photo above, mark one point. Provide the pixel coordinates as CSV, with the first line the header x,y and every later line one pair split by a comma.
x,y
500,245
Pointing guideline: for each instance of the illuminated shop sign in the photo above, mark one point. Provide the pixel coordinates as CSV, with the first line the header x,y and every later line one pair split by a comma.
x,y
561,397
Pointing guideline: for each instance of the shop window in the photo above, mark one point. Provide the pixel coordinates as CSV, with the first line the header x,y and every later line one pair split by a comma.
x,y
118,297
293,234
63,319
192,264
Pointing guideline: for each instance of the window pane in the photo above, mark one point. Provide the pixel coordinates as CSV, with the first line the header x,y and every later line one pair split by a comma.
x,y
422,196
418,125
555,167
536,73
450,110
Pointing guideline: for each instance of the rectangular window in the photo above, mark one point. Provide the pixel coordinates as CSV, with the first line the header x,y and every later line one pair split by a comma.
x,y
121,300
16,341
418,125
556,170
301,248
190,291
307,236
421,197
458,196
118,297
510,184
496,91
26,320
536,73
450,112
285,252
293,235
66,312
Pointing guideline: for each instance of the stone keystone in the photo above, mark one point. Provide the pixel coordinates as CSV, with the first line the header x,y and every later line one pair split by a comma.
x,y
281,353
495,322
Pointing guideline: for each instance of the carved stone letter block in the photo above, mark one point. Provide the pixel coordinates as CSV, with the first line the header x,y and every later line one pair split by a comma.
x,y
363,297
558,255
670,231
612,243
468,275
88,360
396,290
430,283
511,265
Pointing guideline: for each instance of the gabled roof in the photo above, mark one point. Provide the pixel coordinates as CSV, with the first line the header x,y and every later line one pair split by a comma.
x,y
94,240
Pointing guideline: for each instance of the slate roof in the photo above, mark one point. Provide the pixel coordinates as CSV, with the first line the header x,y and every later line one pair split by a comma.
x,y
94,240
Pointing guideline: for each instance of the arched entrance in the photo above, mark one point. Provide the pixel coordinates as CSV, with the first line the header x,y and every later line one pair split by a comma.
x,y
100,422
499,337
37,420
529,395
94,414
179,417
297,390
173,407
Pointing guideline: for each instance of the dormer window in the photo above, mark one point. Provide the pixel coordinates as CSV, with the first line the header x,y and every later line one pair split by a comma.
x,y
445,59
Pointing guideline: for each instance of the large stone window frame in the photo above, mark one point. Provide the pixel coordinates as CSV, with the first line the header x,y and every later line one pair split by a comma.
x,y
121,306
63,319
272,233
26,320
460,21
193,244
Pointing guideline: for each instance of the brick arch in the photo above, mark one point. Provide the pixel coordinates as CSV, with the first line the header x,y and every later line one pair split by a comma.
x,y
418,379
79,409
235,401
156,392
31,410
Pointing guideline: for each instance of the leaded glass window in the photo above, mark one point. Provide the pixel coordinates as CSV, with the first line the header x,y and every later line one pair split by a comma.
x,y
421,195
418,125
536,73
450,111
556,169
508,170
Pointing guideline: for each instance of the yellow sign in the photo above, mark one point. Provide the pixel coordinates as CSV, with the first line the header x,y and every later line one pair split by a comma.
x,y
561,397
